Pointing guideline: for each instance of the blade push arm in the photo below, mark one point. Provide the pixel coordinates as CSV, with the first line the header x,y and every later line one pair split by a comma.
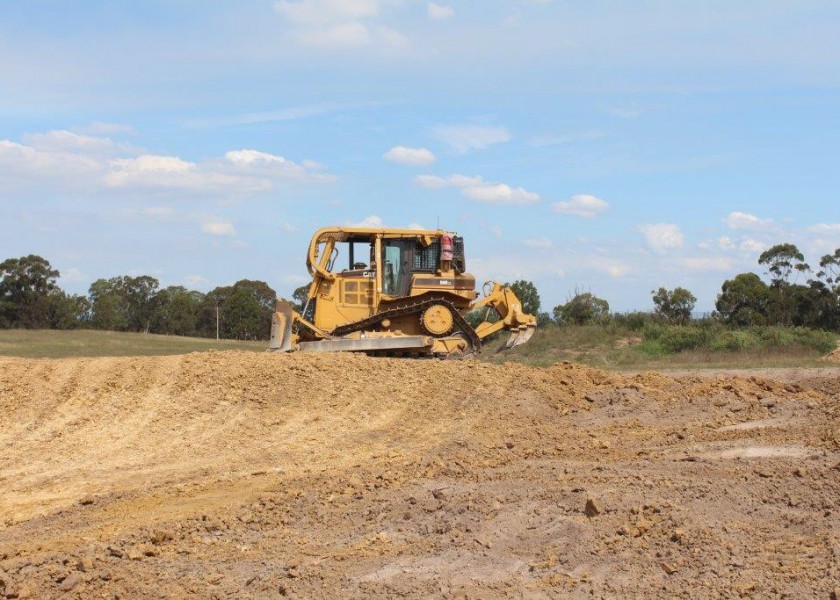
x,y
504,302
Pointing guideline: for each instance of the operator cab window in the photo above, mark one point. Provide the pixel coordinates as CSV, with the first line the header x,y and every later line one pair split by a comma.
x,y
349,256
359,256
397,258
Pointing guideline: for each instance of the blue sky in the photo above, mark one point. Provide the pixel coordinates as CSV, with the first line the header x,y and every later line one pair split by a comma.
x,y
601,146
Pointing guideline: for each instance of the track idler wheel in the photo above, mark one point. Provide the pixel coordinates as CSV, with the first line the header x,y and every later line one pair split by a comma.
x,y
468,349
437,320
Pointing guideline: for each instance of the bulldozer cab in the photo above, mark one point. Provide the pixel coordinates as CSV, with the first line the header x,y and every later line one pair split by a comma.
x,y
355,270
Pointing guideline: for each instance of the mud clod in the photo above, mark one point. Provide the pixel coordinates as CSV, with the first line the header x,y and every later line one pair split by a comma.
x,y
69,582
85,564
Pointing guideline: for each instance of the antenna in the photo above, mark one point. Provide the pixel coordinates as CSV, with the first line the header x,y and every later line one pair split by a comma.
x,y
438,222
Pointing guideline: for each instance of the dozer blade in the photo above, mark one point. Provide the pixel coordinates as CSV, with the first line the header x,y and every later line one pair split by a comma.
x,y
402,342
281,328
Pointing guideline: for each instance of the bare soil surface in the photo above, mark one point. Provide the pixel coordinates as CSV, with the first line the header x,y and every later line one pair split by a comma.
x,y
834,356
235,474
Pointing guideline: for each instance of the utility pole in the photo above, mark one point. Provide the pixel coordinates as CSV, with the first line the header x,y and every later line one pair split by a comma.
x,y
217,322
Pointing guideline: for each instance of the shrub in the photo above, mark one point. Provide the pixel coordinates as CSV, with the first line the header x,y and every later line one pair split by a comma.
x,y
677,339
652,348
634,321
719,338
734,340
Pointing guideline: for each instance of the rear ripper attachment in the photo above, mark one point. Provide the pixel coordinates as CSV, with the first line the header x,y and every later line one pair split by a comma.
x,y
394,292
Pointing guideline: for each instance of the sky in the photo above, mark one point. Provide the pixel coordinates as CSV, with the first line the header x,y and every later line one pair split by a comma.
x,y
604,146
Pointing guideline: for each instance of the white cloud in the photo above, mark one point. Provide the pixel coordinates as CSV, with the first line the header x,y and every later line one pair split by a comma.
x,y
350,35
726,243
21,164
372,221
751,245
390,38
824,238
662,236
612,267
376,222
339,24
745,244
207,223
403,155
215,226
292,113
272,165
475,188
454,180
438,12
150,163
500,193
312,165
581,205
624,112
617,270
464,138
506,266
569,138
317,12
705,264
336,37
746,221
62,141
150,171
102,128
161,213
69,160
195,280
288,227
71,275
825,228
537,242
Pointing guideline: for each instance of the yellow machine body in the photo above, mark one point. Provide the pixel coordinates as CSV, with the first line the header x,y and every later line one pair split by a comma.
x,y
393,291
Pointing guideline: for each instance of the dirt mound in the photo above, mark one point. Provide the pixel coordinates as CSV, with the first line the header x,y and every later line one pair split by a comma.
x,y
833,356
256,475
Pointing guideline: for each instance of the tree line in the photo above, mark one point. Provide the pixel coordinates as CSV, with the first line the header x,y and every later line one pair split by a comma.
x,y
744,300
31,298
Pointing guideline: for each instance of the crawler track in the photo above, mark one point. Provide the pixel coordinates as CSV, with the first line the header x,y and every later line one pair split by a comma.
x,y
415,307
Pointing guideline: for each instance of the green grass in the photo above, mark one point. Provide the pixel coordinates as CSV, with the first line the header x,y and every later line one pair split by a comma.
x,y
42,343
670,347
604,346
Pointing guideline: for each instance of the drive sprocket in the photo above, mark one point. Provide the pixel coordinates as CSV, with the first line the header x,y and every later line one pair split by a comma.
x,y
437,319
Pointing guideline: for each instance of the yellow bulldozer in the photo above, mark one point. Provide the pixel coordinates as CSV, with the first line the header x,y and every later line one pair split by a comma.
x,y
401,292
